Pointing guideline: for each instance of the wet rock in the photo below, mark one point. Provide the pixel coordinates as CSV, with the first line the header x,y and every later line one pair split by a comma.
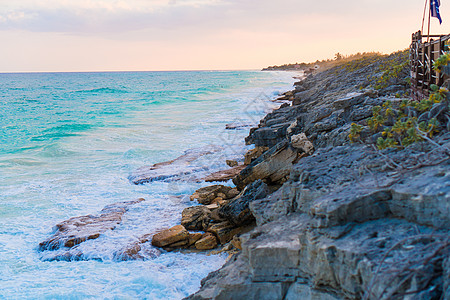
x,y
77,230
224,231
224,175
196,217
207,242
194,237
172,169
273,165
231,163
170,236
139,250
237,126
206,195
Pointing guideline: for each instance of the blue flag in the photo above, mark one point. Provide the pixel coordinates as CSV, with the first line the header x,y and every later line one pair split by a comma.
x,y
434,7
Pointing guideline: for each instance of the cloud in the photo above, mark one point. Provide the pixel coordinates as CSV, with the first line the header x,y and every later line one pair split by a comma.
x,y
100,17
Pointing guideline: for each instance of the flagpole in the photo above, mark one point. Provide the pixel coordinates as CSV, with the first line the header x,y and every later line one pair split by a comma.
x,y
429,23
424,12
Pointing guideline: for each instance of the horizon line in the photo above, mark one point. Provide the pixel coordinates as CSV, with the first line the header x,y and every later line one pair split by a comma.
x,y
125,71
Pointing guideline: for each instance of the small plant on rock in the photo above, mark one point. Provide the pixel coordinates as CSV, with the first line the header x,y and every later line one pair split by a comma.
x,y
355,131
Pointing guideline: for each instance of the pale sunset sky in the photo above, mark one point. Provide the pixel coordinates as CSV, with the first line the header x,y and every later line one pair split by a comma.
x,y
147,35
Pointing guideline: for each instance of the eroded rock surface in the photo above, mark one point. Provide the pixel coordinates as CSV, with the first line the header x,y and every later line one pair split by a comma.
x,y
173,169
349,221
77,230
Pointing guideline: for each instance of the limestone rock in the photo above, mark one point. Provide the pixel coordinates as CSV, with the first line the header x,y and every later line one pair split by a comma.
x,y
301,142
170,236
172,169
77,230
206,195
351,99
196,217
254,154
273,165
231,163
207,242
224,231
194,237
236,242
237,211
139,250
270,208
224,175
303,291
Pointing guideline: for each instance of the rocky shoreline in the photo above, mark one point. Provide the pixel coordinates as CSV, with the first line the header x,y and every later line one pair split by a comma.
x,y
342,220
318,212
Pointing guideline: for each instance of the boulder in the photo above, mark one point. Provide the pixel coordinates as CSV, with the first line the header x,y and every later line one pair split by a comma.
x,y
170,236
237,211
77,230
224,231
207,242
206,195
231,163
194,237
173,169
273,166
139,250
254,154
224,175
349,100
196,217
301,142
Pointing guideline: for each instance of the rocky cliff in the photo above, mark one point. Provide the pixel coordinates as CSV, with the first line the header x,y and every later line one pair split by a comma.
x,y
338,219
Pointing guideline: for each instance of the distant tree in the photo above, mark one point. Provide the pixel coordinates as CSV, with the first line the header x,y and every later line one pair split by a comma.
x,y
338,56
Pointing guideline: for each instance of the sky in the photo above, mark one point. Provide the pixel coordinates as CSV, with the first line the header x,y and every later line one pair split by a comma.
x,y
152,35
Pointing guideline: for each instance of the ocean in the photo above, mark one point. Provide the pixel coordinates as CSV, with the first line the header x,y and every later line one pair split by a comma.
x,y
68,145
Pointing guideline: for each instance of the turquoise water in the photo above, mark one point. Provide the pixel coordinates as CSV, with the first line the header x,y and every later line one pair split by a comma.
x,y
69,142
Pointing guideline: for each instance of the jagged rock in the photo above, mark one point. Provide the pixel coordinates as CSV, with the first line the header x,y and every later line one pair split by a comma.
x,y
77,230
300,290
270,208
194,237
140,250
170,236
237,211
236,242
253,154
273,165
207,242
269,136
351,222
196,217
301,142
237,125
207,194
172,169
224,175
233,281
351,99
446,277
224,231
231,163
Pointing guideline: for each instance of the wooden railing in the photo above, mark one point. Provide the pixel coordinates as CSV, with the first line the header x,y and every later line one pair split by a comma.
x,y
422,56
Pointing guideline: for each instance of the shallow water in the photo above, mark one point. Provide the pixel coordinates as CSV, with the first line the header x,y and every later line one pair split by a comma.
x,y
69,142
